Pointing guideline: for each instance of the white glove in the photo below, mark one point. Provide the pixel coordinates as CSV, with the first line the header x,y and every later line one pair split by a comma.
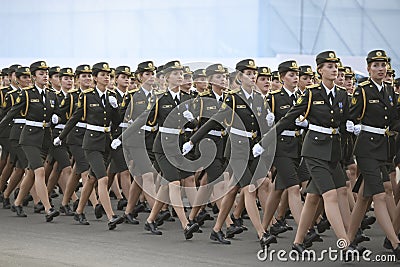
x,y
301,123
115,143
270,118
57,141
188,115
113,101
350,126
257,150
357,129
187,147
54,119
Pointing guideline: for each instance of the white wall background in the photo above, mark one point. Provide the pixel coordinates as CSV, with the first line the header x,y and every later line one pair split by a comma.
x,y
72,32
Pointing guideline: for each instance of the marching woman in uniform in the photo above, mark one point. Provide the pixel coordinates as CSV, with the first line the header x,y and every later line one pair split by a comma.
x,y
373,109
207,104
84,79
326,108
172,116
287,153
20,162
99,108
247,120
39,106
118,167
60,153
133,105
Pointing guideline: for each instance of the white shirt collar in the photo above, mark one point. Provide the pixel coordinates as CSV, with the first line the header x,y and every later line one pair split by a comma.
x,y
377,85
146,92
247,95
218,96
173,94
289,93
100,92
328,91
64,93
12,87
119,92
39,89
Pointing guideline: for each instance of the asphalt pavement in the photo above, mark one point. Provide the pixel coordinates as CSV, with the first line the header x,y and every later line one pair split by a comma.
x,y
33,242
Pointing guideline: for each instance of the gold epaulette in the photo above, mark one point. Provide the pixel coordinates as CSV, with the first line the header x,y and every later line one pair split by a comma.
x,y
110,92
313,86
73,90
365,83
88,90
160,92
234,91
133,91
275,92
12,91
28,88
204,93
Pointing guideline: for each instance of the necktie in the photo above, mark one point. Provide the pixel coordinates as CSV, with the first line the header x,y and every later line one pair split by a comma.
x,y
250,100
293,98
43,96
382,92
176,99
103,100
331,97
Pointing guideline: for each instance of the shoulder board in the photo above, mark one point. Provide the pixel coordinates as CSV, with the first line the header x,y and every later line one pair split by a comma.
x,y
12,91
160,92
28,88
234,91
205,93
365,83
313,86
341,88
133,91
110,92
73,90
88,90
51,89
275,92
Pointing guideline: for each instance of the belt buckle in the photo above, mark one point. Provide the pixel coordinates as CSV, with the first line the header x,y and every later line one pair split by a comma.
x,y
334,131
297,133
181,131
106,129
44,124
253,135
223,133
152,129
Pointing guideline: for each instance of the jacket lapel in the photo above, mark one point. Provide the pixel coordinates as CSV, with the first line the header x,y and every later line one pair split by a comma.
x,y
98,99
324,95
170,99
